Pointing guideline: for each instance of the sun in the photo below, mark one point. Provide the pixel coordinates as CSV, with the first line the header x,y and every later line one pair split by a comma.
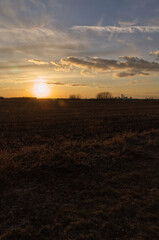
x,y
41,90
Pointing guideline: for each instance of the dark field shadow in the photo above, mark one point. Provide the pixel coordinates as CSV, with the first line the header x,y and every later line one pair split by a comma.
x,y
79,169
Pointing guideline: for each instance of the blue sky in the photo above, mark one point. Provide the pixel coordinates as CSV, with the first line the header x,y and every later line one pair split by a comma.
x,y
79,46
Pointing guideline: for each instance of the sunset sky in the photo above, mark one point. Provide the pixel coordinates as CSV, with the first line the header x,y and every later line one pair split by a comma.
x,y
79,47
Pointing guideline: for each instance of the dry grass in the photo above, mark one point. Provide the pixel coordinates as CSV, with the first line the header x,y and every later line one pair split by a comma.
x,y
79,170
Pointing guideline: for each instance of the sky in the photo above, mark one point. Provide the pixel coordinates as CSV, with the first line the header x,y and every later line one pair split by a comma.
x,y
84,47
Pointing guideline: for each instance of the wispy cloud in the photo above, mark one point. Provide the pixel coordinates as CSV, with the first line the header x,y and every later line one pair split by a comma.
x,y
155,53
149,38
23,13
134,82
128,23
113,29
38,62
37,42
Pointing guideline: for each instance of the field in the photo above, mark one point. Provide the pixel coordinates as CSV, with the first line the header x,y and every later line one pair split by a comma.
x,y
79,169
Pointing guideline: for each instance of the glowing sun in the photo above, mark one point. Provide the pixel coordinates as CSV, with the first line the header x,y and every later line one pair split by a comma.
x,y
41,90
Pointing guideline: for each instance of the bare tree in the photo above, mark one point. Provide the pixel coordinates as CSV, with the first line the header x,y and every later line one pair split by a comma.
x,y
104,95
73,96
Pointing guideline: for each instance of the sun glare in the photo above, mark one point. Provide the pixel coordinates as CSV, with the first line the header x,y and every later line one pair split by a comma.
x,y
41,90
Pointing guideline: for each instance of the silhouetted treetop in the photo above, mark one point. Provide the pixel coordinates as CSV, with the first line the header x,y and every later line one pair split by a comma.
x,y
104,95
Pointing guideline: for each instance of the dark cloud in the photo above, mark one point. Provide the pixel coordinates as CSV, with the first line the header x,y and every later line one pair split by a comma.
x,y
79,85
131,74
130,66
124,67
57,83
68,84
126,74
140,64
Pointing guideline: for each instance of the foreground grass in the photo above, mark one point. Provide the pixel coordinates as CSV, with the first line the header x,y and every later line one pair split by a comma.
x,y
79,186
